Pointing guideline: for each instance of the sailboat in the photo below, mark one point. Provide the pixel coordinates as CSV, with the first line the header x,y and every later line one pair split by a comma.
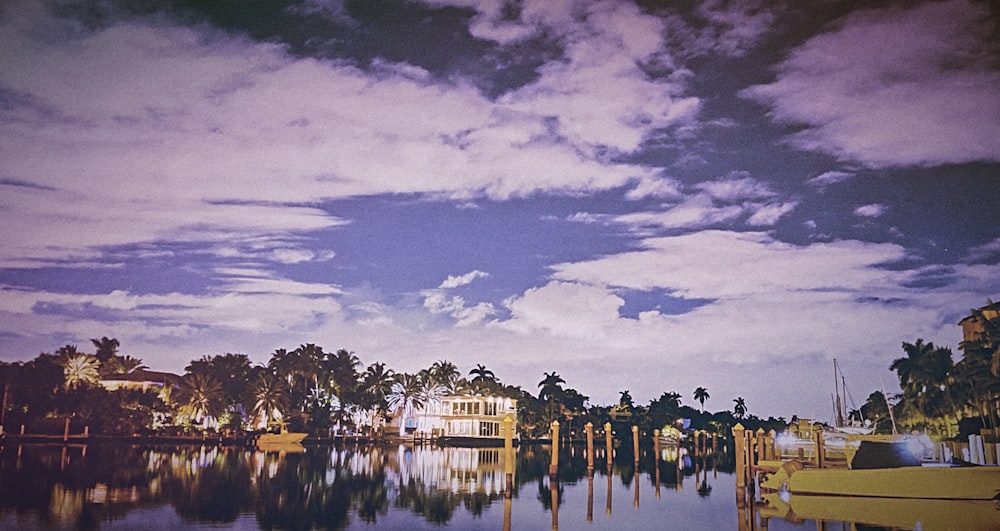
x,y
844,424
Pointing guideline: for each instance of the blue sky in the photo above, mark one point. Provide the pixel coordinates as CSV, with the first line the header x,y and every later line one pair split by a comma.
x,y
640,196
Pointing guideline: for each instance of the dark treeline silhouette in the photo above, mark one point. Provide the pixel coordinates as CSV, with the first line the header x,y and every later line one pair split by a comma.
x,y
319,391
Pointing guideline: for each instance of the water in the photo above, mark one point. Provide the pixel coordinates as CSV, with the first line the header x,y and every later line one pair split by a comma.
x,y
114,486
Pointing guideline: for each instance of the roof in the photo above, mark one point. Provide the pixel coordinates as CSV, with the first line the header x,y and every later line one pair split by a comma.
x,y
142,375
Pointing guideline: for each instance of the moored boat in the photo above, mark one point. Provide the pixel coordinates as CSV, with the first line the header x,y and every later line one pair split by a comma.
x,y
926,482
286,437
893,513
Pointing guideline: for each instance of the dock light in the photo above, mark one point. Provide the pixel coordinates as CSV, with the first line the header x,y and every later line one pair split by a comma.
x,y
785,440
919,446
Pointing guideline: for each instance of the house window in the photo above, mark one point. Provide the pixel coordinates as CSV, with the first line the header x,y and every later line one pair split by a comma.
x,y
489,429
491,409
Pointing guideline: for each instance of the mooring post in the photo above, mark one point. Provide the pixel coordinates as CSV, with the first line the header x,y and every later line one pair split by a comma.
x,y
589,428
761,445
772,452
820,451
508,448
608,449
740,452
554,467
635,443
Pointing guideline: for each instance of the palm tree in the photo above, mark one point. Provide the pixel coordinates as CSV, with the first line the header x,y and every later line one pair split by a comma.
x,y
625,400
81,370
740,407
550,392
377,386
200,397
407,395
447,375
67,351
550,386
924,377
270,399
122,365
343,369
484,379
700,396
107,348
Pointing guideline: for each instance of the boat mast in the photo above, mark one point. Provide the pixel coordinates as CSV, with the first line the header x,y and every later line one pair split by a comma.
x,y
837,405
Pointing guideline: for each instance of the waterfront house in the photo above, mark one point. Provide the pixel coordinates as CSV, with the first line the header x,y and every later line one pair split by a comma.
x,y
974,326
141,380
462,419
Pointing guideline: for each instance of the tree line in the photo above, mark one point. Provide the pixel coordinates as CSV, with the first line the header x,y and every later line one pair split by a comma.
x,y
943,396
306,389
321,392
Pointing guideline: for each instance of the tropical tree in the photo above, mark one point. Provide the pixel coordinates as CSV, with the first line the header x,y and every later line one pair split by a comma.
x,y
106,348
445,374
550,393
270,399
407,395
343,370
67,351
232,372
739,407
664,410
551,386
700,396
979,369
376,387
121,365
81,370
484,380
924,376
201,398
625,400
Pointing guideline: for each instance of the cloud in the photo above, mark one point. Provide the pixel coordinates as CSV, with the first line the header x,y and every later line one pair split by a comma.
x,y
455,306
731,265
874,210
831,177
100,115
719,201
438,301
769,214
894,87
987,253
462,280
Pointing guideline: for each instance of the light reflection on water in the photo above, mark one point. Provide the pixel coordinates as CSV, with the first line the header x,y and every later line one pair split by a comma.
x,y
106,486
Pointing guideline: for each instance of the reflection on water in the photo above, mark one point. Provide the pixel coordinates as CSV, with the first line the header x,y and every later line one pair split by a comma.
x,y
106,486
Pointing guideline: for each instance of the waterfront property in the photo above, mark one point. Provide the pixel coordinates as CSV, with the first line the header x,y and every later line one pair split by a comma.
x,y
462,419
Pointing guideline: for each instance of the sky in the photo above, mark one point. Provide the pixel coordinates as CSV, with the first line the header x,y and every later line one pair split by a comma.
x,y
645,196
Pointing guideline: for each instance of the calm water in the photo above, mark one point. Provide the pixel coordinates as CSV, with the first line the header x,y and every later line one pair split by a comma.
x,y
106,486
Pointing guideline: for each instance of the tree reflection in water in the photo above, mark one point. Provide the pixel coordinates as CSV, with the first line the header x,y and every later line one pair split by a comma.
x,y
314,488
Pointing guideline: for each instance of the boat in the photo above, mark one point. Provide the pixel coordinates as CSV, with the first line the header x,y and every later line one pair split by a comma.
x,y
281,448
931,481
891,513
285,437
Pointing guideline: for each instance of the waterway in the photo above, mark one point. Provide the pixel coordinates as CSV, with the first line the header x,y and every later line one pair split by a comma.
x,y
117,486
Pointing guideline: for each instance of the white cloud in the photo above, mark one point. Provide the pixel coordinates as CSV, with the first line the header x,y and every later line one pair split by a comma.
x,y
655,187
895,87
830,177
462,280
720,201
873,210
101,119
694,212
769,214
455,306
